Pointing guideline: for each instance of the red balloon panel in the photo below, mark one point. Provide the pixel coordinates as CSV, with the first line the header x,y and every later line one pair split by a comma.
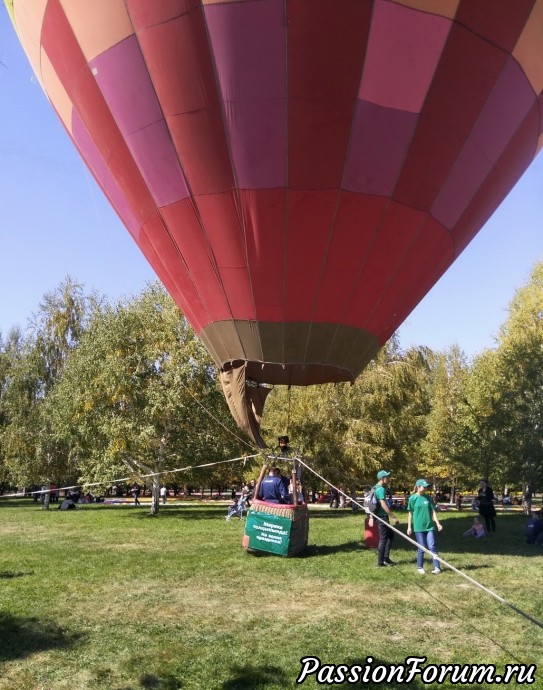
x,y
298,172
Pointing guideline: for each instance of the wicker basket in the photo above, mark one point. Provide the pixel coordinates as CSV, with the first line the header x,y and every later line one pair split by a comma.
x,y
298,523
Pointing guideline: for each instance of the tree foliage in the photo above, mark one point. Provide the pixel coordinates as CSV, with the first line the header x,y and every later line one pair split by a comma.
x,y
136,395
443,450
350,431
32,452
93,391
518,384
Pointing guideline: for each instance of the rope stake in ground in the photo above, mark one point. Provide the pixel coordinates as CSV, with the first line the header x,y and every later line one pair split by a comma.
x,y
243,459
522,613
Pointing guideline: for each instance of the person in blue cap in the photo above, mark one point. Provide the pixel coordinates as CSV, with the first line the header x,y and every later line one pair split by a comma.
x,y
386,535
422,520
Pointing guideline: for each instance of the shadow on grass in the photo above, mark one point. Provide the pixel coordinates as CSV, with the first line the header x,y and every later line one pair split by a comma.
x,y
166,512
394,685
412,560
10,574
313,550
334,513
213,513
22,637
204,512
508,540
254,677
476,567
151,682
18,503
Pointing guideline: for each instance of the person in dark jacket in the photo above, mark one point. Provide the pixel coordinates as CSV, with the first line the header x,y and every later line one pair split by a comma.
x,y
384,512
136,493
527,500
485,497
272,488
334,497
284,448
534,529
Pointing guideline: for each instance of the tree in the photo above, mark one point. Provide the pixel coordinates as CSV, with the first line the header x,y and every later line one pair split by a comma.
x,y
57,328
387,413
480,421
443,448
135,393
315,420
10,348
519,381
32,452
348,432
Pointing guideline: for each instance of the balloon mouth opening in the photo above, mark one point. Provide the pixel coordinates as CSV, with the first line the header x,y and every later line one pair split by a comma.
x,y
291,374
290,353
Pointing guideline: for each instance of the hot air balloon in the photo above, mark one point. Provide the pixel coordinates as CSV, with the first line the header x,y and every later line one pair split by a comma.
x,y
299,173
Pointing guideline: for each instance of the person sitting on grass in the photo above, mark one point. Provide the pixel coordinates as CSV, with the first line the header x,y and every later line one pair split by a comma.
x,y
477,530
234,510
534,529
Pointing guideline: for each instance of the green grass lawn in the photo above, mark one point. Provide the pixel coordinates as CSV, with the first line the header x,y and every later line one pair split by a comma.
x,y
107,597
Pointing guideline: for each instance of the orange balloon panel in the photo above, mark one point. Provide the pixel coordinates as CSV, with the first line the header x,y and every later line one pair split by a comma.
x,y
298,172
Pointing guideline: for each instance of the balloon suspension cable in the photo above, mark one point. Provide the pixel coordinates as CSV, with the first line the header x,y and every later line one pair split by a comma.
x,y
488,591
242,458
288,409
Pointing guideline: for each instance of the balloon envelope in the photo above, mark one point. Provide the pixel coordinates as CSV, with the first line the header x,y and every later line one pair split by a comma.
x,y
299,173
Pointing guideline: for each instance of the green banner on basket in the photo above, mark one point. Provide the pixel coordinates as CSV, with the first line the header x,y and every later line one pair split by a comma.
x,y
268,532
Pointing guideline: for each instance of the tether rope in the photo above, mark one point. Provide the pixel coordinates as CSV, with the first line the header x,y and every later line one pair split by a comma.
x,y
522,613
130,477
440,602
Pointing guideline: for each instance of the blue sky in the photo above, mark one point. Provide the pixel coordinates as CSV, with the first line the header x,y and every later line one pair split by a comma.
x,y
56,222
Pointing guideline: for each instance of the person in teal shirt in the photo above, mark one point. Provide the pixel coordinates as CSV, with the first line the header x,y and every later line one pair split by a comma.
x,y
386,534
422,520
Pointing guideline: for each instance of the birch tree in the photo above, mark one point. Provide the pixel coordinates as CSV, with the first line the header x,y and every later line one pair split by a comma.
x,y
32,451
